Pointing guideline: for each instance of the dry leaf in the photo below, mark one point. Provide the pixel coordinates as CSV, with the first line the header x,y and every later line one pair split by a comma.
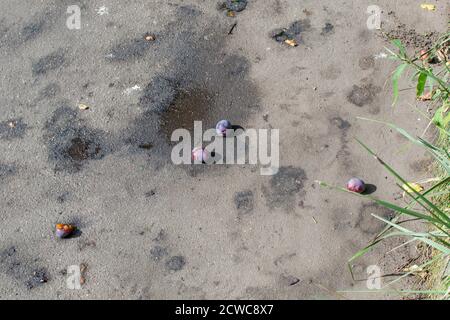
x,y
291,42
415,186
150,37
427,6
231,13
425,97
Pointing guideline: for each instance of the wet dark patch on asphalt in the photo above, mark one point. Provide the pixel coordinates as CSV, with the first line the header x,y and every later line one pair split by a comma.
x,y
175,263
363,95
38,278
327,29
202,82
15,35
343,155
161,236
12,129
84,244
157,253
48,63
422,165
340,123
70,142
244,202
185,108
129,49
293,32
21,268
32,30
367,223
7,170
284,186
366,63
331,72
49,91
63,197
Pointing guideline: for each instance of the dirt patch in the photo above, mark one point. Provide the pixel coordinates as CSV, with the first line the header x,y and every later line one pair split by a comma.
x,y
410,37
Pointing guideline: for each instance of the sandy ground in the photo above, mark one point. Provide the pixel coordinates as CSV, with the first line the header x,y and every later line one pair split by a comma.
x,y
153,230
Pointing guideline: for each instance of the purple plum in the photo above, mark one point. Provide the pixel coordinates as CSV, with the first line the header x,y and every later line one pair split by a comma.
x,y
222,126
199,154
64,230
356,185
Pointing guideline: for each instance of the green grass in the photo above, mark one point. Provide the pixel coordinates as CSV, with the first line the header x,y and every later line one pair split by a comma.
x,y
430,206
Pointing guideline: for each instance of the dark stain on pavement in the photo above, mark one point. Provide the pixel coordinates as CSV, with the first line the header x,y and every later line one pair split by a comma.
x,y
201,83
32,30
327,29
366,63
49,91
7,170
175,263
293,32
38,278
22,269
283,186
12,129
187,106
158,252
70,142
244,202
48,63
129,49
369,224
363,95
343,155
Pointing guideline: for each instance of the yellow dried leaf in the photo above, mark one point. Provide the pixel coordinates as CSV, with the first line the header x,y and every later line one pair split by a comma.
x,y
291,42
426,97
427,6
415,186
231,13
83,106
